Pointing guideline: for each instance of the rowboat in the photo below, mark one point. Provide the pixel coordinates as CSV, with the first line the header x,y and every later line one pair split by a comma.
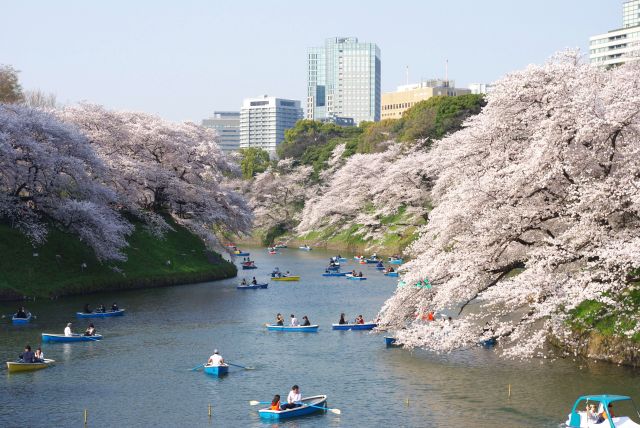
x,y
305,248
285,278
240,253
318,402
394,274
26,320
390,342
355,278
342,259
273,252
217,370
369,261
249,265
49,337
579,418
107,314
13,366
304,329
380,267
251,286
366,326
395,261
334,274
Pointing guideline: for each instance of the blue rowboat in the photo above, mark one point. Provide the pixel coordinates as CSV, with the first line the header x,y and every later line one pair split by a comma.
x,y
380,267
394,274
355,278
579,418
395,261
366,326
390,341
48,337
251,286
369,261
334,274
217,370
107,314
304,329
241,254
318,401
19,321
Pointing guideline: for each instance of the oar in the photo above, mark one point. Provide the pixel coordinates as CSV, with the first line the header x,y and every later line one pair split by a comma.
x,y
255,403
334,411
197,367
238,365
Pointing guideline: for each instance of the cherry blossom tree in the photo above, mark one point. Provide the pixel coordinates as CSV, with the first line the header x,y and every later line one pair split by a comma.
x,y
49,175
159,167
537,208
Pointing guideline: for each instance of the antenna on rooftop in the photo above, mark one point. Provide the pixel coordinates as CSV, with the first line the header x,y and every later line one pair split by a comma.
x,y
446,72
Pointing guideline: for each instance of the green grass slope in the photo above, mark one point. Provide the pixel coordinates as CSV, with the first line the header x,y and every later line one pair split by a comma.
x,y
56,268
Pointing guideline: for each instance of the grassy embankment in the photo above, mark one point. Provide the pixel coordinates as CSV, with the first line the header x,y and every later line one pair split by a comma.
x,y
55,268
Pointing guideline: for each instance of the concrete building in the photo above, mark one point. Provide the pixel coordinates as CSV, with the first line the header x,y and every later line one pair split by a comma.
x,y
263,121
343,80
480,88
618,46
227,126
396,103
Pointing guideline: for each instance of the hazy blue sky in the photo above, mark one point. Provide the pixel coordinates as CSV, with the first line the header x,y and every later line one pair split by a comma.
x,y
182,59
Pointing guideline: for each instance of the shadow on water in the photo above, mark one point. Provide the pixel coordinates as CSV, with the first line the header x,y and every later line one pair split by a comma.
x,y
139,374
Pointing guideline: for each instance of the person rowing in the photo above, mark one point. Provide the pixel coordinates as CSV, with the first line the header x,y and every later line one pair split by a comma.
x,y
114,307
293,398
101,309
305,321
216,359
342,320
21,313
359,319
67,330
254,281
244,281
27,356
87,309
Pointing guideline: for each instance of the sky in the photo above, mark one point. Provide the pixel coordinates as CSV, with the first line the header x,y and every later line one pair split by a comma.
x,y
183,59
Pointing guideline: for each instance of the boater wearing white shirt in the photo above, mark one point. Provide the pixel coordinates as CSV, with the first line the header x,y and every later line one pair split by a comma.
x,y
67,330
215,359
293,398
294,321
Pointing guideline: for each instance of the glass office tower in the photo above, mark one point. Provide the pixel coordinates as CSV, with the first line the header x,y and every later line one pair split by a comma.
x,y
343,80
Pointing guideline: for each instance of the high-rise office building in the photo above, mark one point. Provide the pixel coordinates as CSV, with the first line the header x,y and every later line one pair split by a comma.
x,y
227,126
394,104
618,46
263,121
481,88
343,80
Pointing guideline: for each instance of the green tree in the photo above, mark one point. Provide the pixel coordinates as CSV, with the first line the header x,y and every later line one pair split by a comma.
x,y
10,89
308,133
253,161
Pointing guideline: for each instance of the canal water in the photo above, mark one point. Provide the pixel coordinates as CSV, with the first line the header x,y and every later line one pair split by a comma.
x,y
139,375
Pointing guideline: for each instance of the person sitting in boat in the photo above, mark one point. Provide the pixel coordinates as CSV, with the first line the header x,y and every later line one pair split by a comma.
x,y
592,412
101,309
279,319
602,416
360,274
216,359
353,273
90,331
87,309
254,281
379,264
294,321
27,356
359,319
305,321
244,281
21,313
114,307
276,273
342,320
67,330
275,403
38,356
287,274
293,399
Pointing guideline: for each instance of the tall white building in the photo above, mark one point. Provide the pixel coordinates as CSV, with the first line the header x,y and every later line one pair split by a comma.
x,y
618,46
344,81
227,126
263,121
